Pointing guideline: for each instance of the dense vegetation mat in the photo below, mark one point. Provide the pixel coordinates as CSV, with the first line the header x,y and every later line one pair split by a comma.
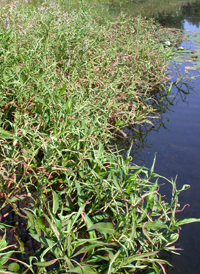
x,y
69,202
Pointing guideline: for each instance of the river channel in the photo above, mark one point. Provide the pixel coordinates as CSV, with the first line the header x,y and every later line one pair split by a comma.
x,y
176,137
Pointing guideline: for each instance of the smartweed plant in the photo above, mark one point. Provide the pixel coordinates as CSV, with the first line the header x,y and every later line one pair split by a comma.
x,y
69,81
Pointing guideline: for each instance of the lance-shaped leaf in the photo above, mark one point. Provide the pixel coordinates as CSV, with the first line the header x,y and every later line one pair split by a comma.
x,y
188,221
5,134
82,270
156,225
103,228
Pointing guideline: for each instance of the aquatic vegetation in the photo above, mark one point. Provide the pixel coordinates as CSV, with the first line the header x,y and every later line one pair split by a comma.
x,y
69,83
189,55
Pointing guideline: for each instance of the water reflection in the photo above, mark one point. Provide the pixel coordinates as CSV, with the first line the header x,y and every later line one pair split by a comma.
x,y
167,13
176,18
192,13
137,136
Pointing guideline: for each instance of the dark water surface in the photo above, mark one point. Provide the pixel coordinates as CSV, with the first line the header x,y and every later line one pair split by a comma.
x,y
177,148
177,151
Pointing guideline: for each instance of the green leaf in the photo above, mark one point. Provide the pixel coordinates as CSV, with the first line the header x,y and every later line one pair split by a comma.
x,y
115,181
81,194
4,226
184,187
77,215
41,224
8,34
46,263
132,179
3,271
153,165
140,256
32,220
41,101
156,225
5,134
14,199
188,221
113,260
21,243
87,248
103,228
100,150
89,224
151,198
83,270
14,267
35,237
3,261
156,268
68,104
62,91
55,202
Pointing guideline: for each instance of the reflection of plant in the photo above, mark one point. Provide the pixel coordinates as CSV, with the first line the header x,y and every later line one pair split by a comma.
x,y
154,8
162,99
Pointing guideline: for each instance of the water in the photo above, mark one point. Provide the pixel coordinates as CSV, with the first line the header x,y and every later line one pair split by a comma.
x,y
177,151
177,148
